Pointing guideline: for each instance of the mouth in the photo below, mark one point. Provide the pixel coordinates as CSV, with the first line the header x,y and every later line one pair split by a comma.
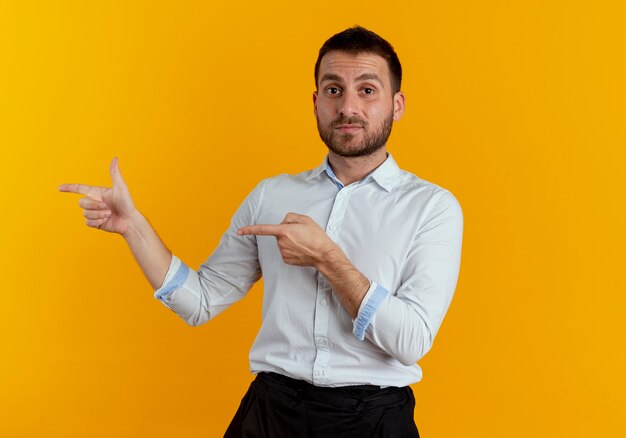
x,y
348,128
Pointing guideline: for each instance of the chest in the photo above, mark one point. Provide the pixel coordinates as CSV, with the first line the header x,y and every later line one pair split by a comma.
x,y
374,228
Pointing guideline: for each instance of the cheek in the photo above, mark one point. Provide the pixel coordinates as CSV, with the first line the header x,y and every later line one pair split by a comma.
x,y
383,110
324,110
379,113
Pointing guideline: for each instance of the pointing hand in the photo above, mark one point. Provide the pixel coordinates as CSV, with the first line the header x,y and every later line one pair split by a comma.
x,y
106,208
301,241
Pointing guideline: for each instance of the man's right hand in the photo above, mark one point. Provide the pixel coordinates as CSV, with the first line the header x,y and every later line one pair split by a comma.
x,y
106,208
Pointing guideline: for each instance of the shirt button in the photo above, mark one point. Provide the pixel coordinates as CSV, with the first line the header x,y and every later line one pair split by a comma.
x,y
323,301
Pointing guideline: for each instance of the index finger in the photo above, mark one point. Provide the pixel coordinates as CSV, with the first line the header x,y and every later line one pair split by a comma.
x,y
83,189
260,230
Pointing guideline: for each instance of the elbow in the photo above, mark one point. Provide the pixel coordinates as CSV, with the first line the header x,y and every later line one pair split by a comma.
x,y
410,356
198,312
192,322
413,348
197,319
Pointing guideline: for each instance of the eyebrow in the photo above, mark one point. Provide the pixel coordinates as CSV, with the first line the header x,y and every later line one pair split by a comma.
x,y
369,77
330,77
363,77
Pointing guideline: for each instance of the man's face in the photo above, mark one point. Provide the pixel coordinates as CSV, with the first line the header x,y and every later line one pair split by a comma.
x,y
355,105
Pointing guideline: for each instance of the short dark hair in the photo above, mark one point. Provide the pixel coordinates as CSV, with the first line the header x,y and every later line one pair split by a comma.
x,y
357,40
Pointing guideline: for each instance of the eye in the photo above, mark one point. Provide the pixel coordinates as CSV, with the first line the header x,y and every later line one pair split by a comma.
x,y
333,91
368,90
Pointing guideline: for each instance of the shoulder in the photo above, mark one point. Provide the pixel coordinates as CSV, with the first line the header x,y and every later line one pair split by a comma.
x,y
287,180
411,184
427,198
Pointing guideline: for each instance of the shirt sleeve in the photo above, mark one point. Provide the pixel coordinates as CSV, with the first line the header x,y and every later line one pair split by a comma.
x,y
404,322
224,278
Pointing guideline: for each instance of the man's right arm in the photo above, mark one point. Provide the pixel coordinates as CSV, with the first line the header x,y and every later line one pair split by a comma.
x,y
195,296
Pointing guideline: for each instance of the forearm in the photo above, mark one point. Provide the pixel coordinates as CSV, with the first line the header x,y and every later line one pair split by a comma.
x,y
406,335
349,285
149,251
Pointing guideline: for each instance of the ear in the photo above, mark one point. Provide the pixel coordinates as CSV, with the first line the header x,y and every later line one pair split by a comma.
x,y
398,105
315,103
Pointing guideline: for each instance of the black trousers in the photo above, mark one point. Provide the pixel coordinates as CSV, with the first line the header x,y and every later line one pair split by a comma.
x,y
276,406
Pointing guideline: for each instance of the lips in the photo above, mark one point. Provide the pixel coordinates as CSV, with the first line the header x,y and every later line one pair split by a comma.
x,y
348,128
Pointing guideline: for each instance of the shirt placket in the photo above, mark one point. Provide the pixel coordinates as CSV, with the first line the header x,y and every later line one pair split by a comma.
x,y
324,296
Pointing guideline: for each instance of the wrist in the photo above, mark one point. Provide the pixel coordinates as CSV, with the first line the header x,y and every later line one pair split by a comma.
x,y
136,223
331,259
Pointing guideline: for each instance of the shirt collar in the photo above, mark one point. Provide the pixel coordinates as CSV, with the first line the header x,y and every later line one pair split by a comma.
x,y
319,169
386,175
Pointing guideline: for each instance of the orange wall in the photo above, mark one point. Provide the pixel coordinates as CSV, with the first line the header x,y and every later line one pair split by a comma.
x,y
517,107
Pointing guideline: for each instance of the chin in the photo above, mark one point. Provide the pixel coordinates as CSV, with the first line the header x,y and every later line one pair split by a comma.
x,y
354,153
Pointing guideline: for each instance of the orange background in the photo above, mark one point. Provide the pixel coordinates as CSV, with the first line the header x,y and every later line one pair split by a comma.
x,y
518,108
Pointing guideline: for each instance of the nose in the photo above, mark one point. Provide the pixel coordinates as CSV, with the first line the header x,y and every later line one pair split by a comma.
x,y
348,104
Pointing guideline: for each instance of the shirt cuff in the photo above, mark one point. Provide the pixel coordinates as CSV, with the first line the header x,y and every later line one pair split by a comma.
x,y
174,279
371,301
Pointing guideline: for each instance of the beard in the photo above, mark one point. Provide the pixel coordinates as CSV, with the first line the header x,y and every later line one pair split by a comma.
x,y
341,143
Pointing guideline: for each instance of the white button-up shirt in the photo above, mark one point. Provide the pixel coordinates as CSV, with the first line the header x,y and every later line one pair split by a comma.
x,y
403,233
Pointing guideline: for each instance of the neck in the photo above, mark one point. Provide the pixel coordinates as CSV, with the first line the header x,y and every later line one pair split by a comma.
x,y
352,169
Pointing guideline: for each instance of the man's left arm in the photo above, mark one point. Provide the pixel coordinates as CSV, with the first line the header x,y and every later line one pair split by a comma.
x,y
403,322
302,242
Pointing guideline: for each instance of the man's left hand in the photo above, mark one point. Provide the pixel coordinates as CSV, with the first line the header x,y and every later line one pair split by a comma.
x,y
300,239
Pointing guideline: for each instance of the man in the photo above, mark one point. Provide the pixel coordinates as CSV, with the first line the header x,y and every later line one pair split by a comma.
x,y
359,258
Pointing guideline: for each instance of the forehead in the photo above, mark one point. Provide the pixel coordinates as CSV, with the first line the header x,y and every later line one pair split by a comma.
x,y
348,65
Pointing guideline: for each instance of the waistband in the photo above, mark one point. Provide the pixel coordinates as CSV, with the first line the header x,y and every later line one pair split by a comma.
x,y
352,397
